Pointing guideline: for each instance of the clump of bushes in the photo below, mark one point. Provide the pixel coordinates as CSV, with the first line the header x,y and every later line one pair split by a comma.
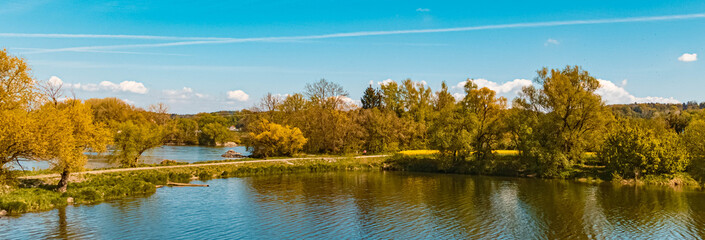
x,y
638,149
500,164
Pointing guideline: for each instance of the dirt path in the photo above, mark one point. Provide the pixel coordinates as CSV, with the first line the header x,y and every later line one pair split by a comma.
x,y
195,165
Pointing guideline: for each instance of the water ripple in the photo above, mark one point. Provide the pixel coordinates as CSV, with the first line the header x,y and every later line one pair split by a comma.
x,y
378,205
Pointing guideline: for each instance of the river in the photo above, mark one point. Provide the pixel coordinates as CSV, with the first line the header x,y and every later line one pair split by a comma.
x,y
374,205
154,155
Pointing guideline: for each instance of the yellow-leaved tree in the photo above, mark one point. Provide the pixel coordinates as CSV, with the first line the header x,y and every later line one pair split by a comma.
x,y
266,139
33,128
68,131
18,94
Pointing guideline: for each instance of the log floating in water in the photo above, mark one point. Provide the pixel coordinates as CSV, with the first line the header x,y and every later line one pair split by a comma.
x,y
185,184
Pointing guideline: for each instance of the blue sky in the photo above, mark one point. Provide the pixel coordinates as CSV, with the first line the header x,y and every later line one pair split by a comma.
x,y
208,55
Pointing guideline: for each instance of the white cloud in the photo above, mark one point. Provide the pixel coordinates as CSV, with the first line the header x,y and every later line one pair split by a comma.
x,y
551,41
385,82
348,103
180,91
688,57
128,101
55,81
125,86
183,94
349,100
508,90
238,95
613,94
511,87
423,10
389,80
282,96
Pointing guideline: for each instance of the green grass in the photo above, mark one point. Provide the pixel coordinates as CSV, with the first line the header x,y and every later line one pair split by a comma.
x,y
108,186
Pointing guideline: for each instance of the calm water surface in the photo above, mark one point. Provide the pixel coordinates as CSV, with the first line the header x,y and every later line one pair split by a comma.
x,y
155,155
379,205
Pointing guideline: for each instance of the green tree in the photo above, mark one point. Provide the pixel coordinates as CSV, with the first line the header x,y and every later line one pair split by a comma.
x,y
184,131
452,134
416,100
521,125
371,98
694,139
678,120
213,129
489,112
443,99
293,103
571,115
68,131
132,139
213,134
114,110
634,149
329,131
206,118
266,139
391,97
382,130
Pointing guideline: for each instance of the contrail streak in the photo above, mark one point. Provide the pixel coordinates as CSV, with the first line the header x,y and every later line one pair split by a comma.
x,y
203,41
105,36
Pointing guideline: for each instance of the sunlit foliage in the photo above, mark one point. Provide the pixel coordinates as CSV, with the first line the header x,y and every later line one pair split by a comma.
x,y
266,139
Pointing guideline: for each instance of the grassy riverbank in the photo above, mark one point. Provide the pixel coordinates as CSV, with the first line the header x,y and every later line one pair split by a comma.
x,y
37,193
508,164
32,195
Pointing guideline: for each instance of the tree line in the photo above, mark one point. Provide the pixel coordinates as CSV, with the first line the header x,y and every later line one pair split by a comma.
x,y
551,125
554,125
39,122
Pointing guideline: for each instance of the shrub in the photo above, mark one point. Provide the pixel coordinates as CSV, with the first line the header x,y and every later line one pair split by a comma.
x,y
634,149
